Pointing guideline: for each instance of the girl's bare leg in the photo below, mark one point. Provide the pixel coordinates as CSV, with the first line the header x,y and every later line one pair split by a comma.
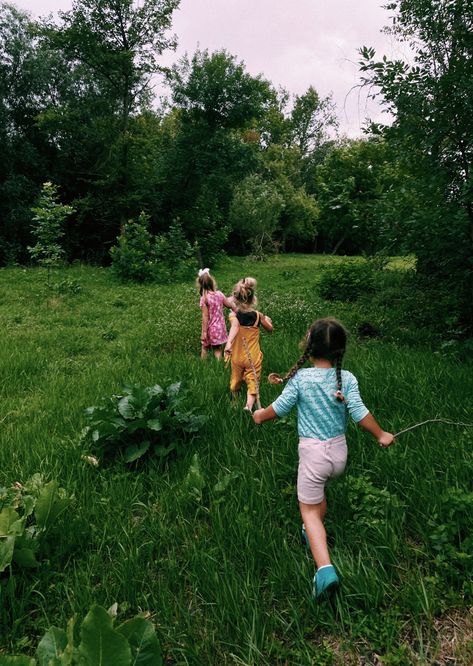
x,y
313,518
218,353
250,401
203,352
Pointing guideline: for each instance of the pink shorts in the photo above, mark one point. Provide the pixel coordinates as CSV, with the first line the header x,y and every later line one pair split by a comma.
x,y
319,461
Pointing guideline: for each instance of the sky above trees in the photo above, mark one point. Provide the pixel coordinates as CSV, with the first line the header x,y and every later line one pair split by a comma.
x,y
293,44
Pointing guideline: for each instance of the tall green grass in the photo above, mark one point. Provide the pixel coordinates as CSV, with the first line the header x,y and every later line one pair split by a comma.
x,y
226,578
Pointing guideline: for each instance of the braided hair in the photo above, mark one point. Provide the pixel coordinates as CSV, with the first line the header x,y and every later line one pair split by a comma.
x,y
326,339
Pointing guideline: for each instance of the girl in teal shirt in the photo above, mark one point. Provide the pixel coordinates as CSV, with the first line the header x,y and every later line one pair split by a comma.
x,y
325,395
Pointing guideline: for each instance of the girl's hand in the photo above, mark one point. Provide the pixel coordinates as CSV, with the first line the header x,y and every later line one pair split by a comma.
x,y
386,439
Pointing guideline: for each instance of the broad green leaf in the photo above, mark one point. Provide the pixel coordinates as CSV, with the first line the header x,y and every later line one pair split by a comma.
x,y
52,645
162,451
5,660
25,557
173,389
7,545
154,424
10,523
127,408
135,451
145,648
155,390
49,504
100,644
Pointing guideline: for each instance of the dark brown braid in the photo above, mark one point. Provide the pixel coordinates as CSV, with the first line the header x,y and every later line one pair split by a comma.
x,y
338,369
297,366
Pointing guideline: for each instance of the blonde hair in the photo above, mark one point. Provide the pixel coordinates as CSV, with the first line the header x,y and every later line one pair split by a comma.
x,y
205,282
244,293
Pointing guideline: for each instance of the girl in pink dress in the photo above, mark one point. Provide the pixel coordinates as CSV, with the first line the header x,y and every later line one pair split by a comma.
x,y
214,330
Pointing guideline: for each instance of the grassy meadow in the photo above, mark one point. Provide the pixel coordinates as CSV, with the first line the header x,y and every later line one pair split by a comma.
x,y
224,575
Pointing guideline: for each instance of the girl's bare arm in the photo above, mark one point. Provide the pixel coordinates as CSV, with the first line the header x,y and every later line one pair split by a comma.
x,y
232,335
205,324
229,303
266,322
265,414
370,424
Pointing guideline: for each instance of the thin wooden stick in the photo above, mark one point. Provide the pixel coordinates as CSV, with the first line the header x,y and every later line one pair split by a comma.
x,y
417,425
250,360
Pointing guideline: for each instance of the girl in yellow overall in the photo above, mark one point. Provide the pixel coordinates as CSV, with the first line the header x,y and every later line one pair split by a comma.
x,y
243,341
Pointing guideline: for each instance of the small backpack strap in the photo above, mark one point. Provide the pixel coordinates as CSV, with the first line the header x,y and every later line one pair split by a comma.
x,y
257,322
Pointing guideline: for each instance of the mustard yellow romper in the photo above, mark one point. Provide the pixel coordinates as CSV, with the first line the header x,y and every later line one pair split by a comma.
x,y
241,364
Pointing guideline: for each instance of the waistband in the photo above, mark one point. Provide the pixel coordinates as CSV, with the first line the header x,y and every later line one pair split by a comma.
x,y
339,439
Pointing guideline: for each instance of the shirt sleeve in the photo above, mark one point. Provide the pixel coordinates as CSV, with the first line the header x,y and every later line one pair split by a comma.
x,y
355,404
287,399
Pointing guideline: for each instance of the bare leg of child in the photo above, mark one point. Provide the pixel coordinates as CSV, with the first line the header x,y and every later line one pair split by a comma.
x,y
250,401
218,353
203,352
313,518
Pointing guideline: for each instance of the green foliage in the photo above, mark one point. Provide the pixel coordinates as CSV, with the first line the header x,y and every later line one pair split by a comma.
x,y
451,534
142,419
431,99
174,255
133,642
27,513
347,280
141,257
133,258
48,227
254,212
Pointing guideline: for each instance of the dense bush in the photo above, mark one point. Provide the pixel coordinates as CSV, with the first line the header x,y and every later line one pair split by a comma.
x,y
141,257
347,281
133,258
141,419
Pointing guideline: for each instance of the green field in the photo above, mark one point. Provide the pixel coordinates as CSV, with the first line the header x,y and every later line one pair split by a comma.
x,y
223,575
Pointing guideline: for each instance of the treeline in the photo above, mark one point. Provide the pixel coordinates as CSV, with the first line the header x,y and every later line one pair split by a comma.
x,y
236,164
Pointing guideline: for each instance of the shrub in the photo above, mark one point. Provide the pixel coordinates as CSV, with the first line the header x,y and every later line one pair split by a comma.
x,y
346,281
131,642
174,255
141,419
133,258
27,512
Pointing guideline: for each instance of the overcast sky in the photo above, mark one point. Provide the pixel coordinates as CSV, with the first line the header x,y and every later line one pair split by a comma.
x,y
293,43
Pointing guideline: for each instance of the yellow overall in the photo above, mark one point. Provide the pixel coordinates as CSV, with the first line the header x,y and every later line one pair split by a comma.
x,y
241,364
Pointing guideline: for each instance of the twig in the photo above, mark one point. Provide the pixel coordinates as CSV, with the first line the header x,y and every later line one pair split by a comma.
x,y
250,360
417,425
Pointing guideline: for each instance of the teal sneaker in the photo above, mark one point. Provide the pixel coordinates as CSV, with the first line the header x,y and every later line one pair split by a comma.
x,y
305,538
326,582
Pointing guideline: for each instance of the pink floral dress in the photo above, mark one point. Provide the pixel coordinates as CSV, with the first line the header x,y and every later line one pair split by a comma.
x,y
216,329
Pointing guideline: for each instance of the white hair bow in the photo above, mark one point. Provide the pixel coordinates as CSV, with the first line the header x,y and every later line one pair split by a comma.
x,y
203,271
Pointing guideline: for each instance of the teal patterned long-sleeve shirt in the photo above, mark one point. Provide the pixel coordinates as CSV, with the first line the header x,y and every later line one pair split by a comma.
x,y
319,413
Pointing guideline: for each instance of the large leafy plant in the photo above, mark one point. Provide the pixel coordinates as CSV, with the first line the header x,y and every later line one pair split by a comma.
x,y
141,419
131,643
27,512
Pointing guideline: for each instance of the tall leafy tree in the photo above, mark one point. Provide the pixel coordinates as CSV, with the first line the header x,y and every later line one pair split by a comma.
x,y
212,139
112,49
26,152
431,99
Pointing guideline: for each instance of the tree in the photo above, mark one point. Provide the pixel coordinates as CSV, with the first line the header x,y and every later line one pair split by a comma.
x,y
112,50
48,223
431,100
26,151
210,142
255,211
310,120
